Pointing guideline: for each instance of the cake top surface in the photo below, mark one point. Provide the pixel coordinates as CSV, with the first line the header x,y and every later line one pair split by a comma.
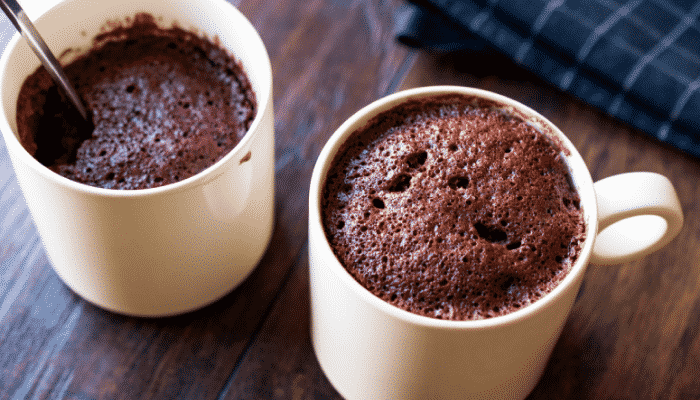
x,y
450,208
165,105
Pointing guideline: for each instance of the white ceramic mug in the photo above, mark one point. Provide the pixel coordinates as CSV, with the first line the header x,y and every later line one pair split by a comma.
x,y
165,250
370,349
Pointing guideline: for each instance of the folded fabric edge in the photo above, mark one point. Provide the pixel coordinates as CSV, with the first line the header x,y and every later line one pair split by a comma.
x,y
417,28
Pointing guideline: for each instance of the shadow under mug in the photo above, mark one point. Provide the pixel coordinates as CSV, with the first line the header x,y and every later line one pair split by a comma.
x,y
158,251
370,349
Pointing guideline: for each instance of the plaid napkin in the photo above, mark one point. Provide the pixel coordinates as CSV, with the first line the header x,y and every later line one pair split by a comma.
x,y
638,61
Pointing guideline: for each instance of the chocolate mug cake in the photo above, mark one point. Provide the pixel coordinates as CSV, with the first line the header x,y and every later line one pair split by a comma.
x,y
165,105
453,208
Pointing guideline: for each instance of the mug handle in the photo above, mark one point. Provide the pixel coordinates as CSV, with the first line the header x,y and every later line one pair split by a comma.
x,y
638,213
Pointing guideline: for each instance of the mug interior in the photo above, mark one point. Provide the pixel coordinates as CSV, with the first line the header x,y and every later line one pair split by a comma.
x,y
69,29
579,174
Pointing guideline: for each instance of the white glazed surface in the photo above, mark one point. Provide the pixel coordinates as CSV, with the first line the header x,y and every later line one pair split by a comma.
x,y
370,349
165,250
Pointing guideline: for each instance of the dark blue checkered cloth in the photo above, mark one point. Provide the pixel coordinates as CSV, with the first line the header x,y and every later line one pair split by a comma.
x,y
638,61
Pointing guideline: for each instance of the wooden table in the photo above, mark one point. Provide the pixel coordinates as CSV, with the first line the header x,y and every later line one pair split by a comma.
x,y
634,332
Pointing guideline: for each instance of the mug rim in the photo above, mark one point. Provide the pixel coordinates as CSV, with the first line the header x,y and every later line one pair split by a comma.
x,y
263,100
579,172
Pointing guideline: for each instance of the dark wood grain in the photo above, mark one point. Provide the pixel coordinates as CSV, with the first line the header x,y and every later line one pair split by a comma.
x,y
281,362
634,332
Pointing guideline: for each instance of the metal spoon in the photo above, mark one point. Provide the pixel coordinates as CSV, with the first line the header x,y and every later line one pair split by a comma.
x,y
20,20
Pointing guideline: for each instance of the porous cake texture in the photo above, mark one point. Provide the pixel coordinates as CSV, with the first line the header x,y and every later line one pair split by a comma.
x,y
165,105
452,208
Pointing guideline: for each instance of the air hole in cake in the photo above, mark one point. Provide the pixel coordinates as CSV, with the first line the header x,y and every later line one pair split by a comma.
x,y
513,245
103,153
341,224
453,147
109,176
491,234
455,182
378,203
417,159
507,283
400,183
130,88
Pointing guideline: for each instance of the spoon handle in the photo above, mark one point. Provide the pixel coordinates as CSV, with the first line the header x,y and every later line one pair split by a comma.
x,y
20,20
